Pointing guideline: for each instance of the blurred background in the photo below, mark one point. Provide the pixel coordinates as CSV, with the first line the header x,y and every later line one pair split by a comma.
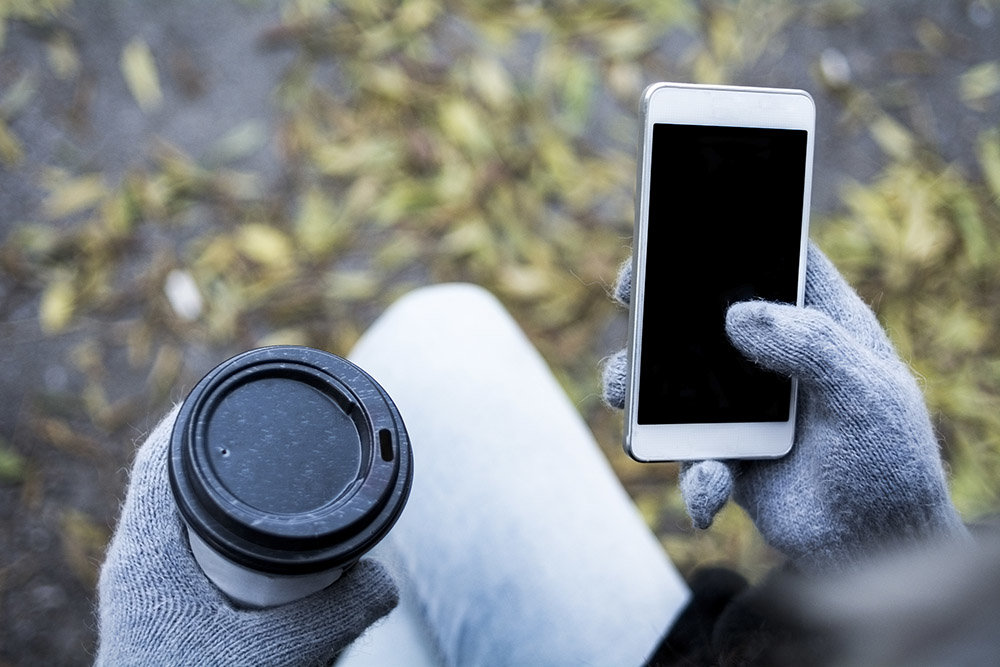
x,y
182,181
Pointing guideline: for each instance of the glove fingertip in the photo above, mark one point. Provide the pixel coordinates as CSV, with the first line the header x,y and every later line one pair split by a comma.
x,y
746,318
623,286
706,487
780,337
613,377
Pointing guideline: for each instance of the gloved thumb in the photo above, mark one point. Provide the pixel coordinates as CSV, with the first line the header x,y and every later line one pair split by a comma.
x,y
706,487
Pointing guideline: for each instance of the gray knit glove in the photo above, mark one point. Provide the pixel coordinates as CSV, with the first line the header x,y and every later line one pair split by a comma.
x,y
157,608
865,471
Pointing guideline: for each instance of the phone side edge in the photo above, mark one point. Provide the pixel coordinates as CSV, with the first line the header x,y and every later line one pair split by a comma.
x,y
634,350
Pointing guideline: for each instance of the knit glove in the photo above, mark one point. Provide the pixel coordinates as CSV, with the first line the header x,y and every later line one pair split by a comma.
x,y
864,472
157,608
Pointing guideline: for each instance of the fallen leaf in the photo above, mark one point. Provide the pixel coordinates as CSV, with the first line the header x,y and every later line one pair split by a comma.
x,y
988,150
264,244
69,195
57,305
894,139
318,227
240,142
11,150
12,464
979,83
63,58
83,545
139,69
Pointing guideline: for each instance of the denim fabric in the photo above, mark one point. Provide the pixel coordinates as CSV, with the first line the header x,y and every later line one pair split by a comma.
x,y
519,545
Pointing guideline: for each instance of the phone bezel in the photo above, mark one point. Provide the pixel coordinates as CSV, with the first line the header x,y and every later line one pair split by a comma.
x,y
735,106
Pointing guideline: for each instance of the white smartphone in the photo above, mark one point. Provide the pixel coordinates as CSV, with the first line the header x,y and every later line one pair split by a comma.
x,y
722,215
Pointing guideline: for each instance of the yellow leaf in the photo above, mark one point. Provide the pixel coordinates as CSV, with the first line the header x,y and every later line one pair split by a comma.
x,y
291,336
988,150
139,69
979,83
365,154
242,141
390,81
317,226
216,256
961,329
264,244
724,34
352,285
416,15
18,95
463,124
626,40
69,195
11,151
931,36
491,81
469,237
117,215
405,249
524,282
625,79
894,139
83,545
62,56
57,305
166,367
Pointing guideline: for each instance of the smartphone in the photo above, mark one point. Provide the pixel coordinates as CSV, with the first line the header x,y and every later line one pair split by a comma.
x,y
722,216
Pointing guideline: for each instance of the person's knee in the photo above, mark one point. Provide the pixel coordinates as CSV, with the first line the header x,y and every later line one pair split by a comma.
x,y
446,300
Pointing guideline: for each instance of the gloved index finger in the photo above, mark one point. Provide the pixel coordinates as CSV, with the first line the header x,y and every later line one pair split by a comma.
x,y
808,344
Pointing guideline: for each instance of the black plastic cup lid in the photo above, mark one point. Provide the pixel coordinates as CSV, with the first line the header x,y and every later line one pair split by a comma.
x,y
289,460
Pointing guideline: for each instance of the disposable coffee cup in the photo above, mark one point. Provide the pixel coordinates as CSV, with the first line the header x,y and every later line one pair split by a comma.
x,y
287,465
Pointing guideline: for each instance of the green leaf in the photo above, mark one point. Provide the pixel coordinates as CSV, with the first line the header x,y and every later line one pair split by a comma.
x,y
971,227
13,466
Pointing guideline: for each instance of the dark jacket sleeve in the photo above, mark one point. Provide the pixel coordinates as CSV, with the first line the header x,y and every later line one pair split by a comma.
x,y
729,622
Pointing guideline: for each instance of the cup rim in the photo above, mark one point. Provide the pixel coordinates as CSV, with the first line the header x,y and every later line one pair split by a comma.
x,y
353,520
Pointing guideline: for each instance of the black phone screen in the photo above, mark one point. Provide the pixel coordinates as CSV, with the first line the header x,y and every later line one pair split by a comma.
x,y
725,224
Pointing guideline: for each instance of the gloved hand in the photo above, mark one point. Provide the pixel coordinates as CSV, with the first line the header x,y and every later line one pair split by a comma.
x,y
865,471
157,608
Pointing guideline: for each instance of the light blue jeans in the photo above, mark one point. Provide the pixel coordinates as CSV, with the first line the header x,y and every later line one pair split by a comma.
x,y
518,545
